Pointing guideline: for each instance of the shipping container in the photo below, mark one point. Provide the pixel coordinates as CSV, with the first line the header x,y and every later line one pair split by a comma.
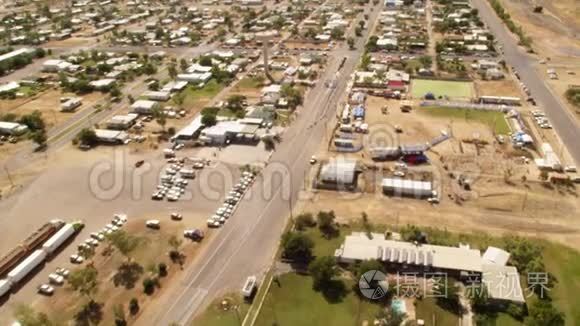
x,y
25,267
58,239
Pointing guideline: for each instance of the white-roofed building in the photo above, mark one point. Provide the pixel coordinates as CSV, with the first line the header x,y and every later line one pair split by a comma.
x,y
407,187
122,122
9,87
111,136
502,282
338,174
195,77
496,256
102,83
144,106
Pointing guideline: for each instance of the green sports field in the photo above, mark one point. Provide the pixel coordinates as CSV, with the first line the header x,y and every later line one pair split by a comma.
x,y
452,89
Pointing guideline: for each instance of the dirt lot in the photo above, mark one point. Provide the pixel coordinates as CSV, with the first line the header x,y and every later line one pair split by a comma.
x,y
48,103
106,182
153,250
505,87
556,31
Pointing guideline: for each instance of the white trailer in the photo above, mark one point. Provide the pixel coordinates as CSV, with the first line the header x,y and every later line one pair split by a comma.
x,y
249,287
25,267
58,238
5,286
71,104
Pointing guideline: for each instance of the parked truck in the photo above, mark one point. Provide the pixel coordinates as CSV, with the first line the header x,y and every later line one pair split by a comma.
x,y
44,232
12,259
25,267
52,244
31,243
5,286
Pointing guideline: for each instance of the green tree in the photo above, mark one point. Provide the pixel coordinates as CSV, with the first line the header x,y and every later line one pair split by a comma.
x,y
87,137
350,42
543,313
26,316
368,265
85,281
119,313
160,118
124,242
365,61
337,33
323,270
293,96
208,120
39,137
325,221
33,121
297,246
172,70
303,221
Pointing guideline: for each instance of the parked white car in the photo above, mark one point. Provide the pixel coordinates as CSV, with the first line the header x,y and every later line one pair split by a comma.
x,y
153,224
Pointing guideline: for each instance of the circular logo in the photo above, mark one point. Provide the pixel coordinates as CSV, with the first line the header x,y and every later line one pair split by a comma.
x,y
373,285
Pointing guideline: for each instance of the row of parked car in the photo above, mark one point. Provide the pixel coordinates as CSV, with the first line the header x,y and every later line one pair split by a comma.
x,y
97,237
231,201
61,274
54,279
541,119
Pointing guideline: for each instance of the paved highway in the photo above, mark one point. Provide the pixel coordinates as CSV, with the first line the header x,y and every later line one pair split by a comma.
x,y
246,244
562,120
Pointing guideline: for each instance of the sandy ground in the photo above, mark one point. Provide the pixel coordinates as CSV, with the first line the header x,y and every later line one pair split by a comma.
x,y
556,31
499,201
92,186
48,103
504,87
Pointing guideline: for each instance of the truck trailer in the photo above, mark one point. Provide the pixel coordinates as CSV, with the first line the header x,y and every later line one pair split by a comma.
x,y
52,244
25,267
5,286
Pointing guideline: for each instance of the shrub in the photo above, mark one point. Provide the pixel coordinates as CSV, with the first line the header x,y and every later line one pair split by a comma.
x,y
134,306
162,269
148,286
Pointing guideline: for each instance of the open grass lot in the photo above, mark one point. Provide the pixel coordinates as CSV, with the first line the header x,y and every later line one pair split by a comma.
x,y
495,120
294,302
197,98
420,87
428,310
564,264
250,82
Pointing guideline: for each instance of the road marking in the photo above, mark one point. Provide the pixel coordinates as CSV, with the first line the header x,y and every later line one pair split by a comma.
x,y
200,294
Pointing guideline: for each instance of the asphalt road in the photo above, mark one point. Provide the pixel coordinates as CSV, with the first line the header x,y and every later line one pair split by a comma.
x,y
246,244
564,123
